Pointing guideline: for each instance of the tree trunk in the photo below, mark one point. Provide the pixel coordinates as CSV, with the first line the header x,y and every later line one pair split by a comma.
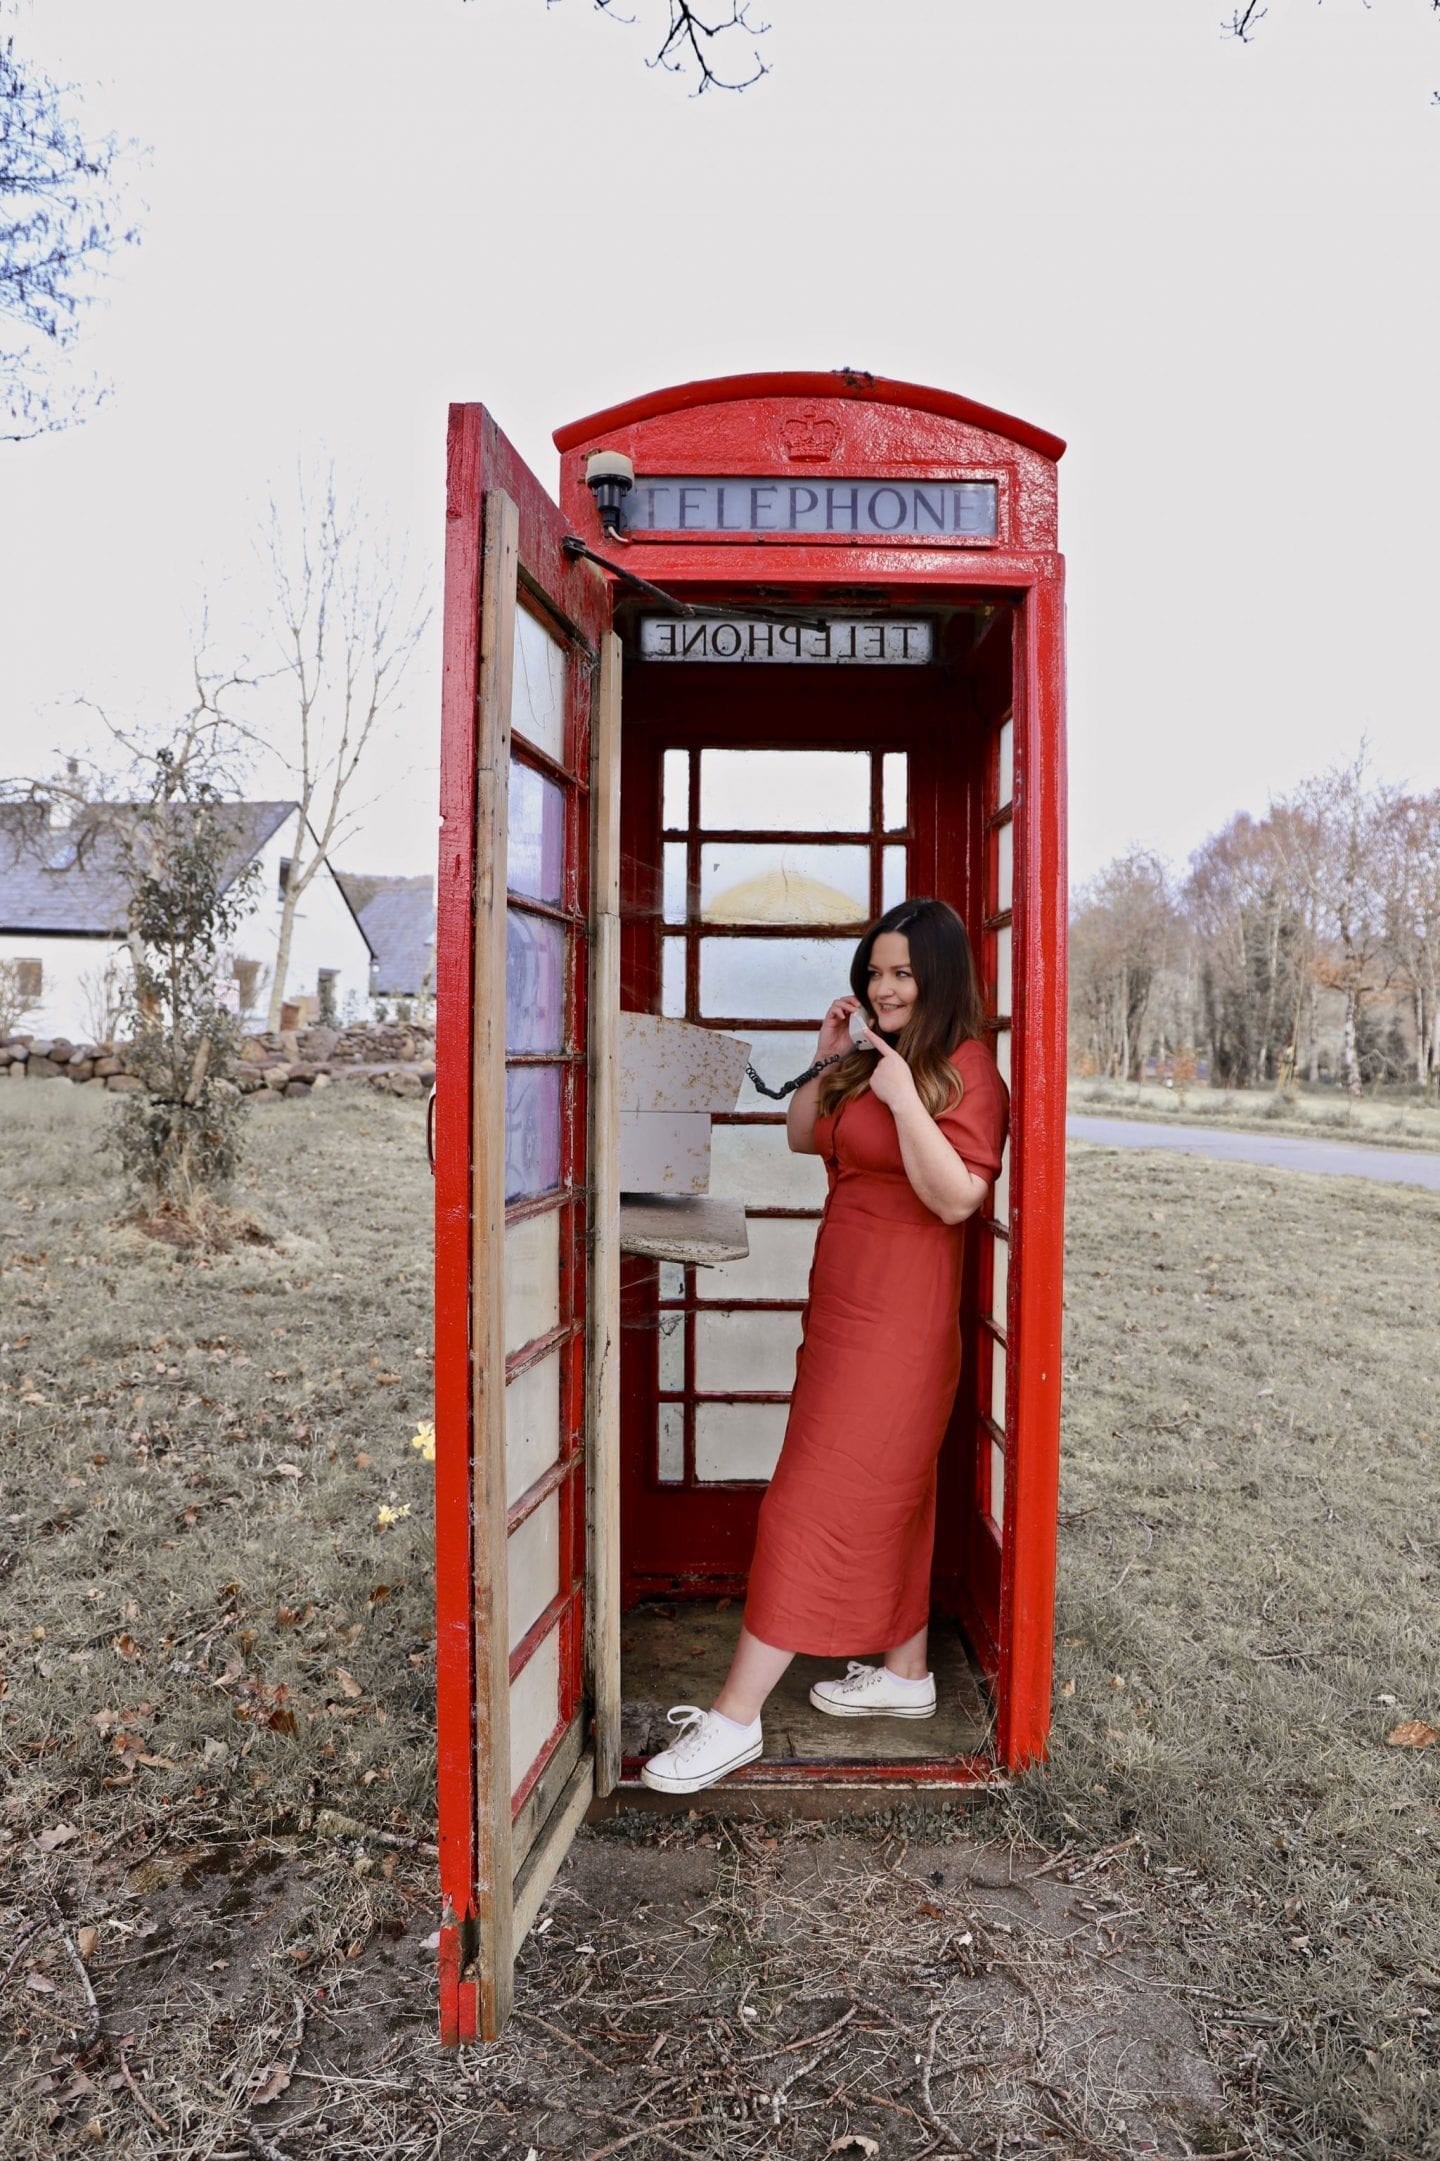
x,y
287,928
1350,1065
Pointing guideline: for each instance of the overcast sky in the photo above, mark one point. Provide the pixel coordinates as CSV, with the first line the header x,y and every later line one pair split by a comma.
x,y
1211,269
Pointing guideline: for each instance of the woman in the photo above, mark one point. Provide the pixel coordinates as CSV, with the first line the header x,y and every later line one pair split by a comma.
x,y
912,1125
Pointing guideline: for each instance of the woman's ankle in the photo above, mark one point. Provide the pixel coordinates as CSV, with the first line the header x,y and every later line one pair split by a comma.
x,y
738,1713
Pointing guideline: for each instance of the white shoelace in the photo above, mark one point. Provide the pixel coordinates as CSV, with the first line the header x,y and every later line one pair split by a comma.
x,y
858,1675
691,1721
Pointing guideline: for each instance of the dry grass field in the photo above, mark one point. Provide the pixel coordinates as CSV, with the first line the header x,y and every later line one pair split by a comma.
x,y
1210,1925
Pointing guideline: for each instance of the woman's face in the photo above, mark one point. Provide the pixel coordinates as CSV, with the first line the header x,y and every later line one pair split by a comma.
x,y
892,995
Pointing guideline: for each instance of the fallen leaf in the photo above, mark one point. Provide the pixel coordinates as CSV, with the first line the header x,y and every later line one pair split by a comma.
x,y
126,1646
38,1982
1412,1733
61,1835
349,1686
86,1940
853,2142
288,1470
271,2084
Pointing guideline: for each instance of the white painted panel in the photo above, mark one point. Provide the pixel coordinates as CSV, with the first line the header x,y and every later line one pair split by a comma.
x,y
1004,868
672,1443
673,903
534,1705
1006,781
777,1265
537,698
533,1560
754,1164
672,1279
1000,1191
893,877
1002,1053
738,1440
672,1351
745,1350
1000,1284
997,1486
748,790
664,1151
532,1425
532,1278
1002,971
759,881
997,1384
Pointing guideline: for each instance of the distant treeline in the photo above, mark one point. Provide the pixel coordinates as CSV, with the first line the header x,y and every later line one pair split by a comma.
x,y
1304,944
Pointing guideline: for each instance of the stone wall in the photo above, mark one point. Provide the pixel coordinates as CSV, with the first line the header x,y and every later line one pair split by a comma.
x,y
393,1058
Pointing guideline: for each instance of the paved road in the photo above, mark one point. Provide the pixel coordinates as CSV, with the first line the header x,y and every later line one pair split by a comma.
x,y
1282,1151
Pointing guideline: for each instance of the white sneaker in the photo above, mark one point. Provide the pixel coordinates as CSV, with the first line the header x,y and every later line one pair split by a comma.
x,y
707,1747
875,1692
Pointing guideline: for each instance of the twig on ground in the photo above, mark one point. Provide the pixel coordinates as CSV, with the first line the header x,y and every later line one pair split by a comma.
x,y
92,2030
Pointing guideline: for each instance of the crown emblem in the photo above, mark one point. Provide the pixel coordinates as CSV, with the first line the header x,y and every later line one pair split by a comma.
x,y
810,439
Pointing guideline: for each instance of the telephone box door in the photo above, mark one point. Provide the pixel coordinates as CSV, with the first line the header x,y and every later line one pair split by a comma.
x,y
525,1229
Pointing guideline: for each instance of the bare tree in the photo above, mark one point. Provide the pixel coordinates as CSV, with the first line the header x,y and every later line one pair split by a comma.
x,y
1354,824
60,225
1122,934
347,621
1413,925
684,40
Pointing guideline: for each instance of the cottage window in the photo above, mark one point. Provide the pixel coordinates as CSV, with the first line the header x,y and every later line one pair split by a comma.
x,y
284,878
30,979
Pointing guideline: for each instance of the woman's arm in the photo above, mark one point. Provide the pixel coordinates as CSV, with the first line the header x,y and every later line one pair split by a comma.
x,y
937,1174
801,1112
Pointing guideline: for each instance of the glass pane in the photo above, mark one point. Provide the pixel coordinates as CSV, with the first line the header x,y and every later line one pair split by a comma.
x,y
777,1057
672,1443
997,1486
822,791
1002,970
895,786
745,1351
534,982
1002,1052
1005,784
537,693
677,788
762,882
1000,1282
672,1351
754,1164
672,1279
997,1384
533,1559
773,978
534,1706
1004,868
673,908
893,876
738,1440
672,979
532,1278
537,833
532,1130
532,1425
777,1265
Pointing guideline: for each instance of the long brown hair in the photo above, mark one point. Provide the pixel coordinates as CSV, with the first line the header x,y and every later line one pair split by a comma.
x,y
948,1010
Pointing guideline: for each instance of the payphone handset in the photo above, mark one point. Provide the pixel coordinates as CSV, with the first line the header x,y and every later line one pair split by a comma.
x,y
858,1022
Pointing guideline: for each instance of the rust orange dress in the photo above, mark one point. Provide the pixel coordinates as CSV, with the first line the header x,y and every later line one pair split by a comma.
x,y
847,1525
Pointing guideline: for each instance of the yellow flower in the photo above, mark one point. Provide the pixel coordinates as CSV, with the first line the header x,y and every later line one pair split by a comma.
x,y
385,1515
424,1439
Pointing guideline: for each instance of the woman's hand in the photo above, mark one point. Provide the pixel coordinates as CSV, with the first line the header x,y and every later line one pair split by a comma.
x,y
892,1081
835,1028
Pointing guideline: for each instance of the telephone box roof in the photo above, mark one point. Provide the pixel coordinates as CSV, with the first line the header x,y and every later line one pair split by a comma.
x,y
834,383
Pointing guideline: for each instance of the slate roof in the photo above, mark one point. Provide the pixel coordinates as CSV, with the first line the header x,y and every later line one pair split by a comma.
x,y
70,880
397,915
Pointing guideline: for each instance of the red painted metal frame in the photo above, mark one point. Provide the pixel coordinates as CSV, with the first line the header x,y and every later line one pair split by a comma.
x,y
747,424
480,460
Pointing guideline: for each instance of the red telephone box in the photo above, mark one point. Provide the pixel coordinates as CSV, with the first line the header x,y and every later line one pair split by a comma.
x,y
809,662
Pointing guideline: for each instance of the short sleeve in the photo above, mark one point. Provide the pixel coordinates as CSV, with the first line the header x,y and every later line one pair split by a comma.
x,y
976,1126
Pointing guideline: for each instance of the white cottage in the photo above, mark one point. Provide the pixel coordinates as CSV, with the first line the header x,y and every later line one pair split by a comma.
x,y
62,914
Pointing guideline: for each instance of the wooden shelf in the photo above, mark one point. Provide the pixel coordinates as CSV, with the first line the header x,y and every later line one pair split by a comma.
x,y
696,1229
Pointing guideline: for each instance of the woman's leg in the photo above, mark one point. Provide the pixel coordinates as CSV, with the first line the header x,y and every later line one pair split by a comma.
x,y
754,1670
908,1658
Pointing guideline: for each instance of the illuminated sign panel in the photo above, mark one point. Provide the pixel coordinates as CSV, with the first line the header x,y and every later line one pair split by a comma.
x,y
842,640
910,509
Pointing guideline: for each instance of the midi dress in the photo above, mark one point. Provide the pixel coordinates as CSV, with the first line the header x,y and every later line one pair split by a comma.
x,y
847,1524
